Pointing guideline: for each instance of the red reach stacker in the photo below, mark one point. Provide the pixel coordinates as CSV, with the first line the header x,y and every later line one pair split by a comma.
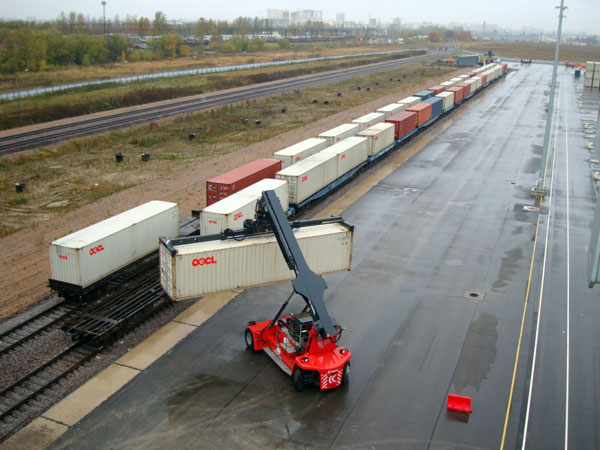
x,y
303,345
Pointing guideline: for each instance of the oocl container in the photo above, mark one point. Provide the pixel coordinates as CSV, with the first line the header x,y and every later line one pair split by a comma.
x,y
369,120
340,133
309,176
436,105
380,136
447,98
297,152
436,89
189,268
423,111
237,179
410,101
390,110
349,153
231,212
85,257
404,122
458,93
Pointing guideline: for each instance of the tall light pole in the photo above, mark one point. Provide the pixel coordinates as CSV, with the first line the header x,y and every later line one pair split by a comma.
x,y
104,15
539,191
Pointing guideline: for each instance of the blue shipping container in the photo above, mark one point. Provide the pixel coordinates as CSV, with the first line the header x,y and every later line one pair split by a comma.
x,y
437,105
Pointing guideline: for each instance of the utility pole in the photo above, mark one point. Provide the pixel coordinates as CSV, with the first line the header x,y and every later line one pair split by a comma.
x,y
539,190
104,15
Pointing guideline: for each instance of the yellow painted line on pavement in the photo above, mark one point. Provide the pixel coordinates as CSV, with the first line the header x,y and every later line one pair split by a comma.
x,y
527,292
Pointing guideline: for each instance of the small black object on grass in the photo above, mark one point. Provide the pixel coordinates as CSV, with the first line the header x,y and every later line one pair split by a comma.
x,y
391,79
326,102
339,94
245,121
145,156
119,157
191,136
315,100
358,88
258,122
283,110
368,89
376,83
20,187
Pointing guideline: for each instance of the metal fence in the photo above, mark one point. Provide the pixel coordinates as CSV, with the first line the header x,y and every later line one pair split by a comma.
x,y
178,73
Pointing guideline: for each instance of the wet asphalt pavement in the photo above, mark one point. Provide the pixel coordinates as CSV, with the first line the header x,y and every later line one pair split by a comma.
x,y
433,305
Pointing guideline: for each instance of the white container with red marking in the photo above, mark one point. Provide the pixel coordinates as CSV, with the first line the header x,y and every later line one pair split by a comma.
x,y
391,109
191,269
349,153
302,150
340,133
86,256
309,176
231,211
369,120
380,136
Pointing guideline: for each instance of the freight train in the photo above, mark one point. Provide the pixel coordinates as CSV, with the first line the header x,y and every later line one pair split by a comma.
x,y
85,261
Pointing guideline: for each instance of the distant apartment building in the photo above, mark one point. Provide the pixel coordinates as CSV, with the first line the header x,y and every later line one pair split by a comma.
x,y
305,15
279,17
340,18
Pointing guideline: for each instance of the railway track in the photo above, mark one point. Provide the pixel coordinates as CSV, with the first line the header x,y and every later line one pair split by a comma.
x,y
46,320
23,393
53,134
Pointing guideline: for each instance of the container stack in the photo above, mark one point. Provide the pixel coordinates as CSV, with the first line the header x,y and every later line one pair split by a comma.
x,y
592,75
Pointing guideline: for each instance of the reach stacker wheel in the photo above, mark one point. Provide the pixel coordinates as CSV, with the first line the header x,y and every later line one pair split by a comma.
x,y
249,338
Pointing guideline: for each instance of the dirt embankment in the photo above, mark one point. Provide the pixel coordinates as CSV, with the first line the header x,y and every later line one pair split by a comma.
x,y
24,260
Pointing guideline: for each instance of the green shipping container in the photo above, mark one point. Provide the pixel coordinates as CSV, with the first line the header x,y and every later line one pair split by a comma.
x,y
425,94
577,73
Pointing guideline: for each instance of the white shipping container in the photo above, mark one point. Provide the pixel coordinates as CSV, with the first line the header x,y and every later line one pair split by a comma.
x,y
597,67
391,109
231,211
479,81
587,82
297,152
596,83
464,77
89,255
589,66
589,74
340,133
447,99
410,101
369,120
350,153
456,80
448,84
380,136
309,176
189,270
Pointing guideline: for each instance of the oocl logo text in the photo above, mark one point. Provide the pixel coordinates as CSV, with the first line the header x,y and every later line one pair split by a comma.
x,y
97,249
238,216
203,261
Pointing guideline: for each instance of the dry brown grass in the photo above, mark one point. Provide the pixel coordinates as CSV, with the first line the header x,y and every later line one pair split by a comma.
x,y
65,177
73,74
537,50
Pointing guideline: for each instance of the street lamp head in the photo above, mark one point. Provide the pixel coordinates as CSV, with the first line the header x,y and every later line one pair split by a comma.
x,y
103,2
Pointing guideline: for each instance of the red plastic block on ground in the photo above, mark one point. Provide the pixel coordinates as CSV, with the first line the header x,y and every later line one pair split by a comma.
x,y
459,403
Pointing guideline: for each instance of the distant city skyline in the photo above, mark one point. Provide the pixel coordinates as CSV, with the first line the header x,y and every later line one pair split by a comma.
x,y
582,15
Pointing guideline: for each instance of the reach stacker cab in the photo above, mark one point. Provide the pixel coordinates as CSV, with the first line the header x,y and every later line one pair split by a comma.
x,y
303,345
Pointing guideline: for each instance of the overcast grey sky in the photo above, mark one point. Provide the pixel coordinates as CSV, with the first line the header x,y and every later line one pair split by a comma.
x,y
582,15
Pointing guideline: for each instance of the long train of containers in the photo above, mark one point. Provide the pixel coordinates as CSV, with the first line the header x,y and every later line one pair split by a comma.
x,y
299,174
309,167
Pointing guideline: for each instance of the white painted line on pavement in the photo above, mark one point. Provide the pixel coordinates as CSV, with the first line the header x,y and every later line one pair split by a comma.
x,y
537,326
